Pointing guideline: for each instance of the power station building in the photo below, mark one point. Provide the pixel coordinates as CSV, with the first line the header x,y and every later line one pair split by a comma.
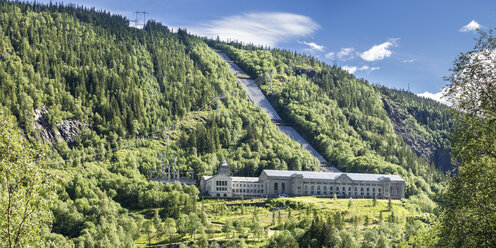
x,y
273,183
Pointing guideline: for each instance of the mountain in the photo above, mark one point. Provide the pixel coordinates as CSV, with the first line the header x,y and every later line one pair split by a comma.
x,y
354,125
112,105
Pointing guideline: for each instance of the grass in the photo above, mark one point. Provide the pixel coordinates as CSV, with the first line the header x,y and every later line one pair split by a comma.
x,y
221,211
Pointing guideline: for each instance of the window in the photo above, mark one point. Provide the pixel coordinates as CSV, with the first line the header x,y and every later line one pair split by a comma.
x,y
276,187
325,188
379,190
349,188
367,189
373,189
283,186
361,189
221,183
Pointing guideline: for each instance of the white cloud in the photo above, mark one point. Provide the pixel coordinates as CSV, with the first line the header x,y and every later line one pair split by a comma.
x,y
368,68
379,52
346,53
353,69
330,55
313,46
435,96
471,26
264,28
349,69
408,61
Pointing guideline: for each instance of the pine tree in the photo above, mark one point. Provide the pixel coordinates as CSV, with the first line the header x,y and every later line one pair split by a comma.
x,y
273,218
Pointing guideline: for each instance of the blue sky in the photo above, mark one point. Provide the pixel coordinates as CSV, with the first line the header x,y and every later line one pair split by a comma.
x,y
399,44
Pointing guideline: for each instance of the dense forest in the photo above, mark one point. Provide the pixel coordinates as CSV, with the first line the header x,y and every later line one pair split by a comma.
x,y
345,118
93,109
126,96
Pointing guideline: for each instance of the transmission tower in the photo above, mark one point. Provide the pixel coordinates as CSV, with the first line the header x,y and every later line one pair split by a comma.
x,y
140,19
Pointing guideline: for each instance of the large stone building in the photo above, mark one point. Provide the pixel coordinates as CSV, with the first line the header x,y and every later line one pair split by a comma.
x,y
272,183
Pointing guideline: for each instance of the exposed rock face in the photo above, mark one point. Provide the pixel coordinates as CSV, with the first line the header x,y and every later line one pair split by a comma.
x,y
423,147
66,129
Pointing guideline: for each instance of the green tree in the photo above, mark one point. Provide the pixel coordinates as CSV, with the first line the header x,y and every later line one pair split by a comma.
x,y
374,201
228,228
202,240
148,228
273,218
26,189
194,225
382,242
350,203
157,223
283,239
170,228
257,229
468,208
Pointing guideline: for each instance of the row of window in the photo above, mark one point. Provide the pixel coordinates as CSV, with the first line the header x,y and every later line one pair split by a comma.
x,y
248,191
249,185
342,184
343,188
341,193
221,188
221,183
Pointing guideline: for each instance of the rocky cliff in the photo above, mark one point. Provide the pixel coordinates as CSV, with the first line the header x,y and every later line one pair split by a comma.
x,y
66,130
415,136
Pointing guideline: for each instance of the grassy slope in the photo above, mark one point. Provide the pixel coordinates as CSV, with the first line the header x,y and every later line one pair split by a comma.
x,y
323,206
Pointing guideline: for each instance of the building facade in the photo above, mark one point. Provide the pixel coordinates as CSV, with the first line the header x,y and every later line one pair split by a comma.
x,y
272,183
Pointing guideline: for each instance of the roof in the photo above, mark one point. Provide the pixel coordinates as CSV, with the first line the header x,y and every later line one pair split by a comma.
x,y
332,175
329,169
245,179
206,177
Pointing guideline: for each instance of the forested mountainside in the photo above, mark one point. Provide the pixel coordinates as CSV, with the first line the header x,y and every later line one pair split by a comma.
x,y
128,90
348,120
110,104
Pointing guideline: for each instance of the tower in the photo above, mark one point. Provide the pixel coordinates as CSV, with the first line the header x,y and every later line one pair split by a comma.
x,y
224,169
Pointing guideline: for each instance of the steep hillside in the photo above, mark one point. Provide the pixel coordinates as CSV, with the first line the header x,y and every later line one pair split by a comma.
x,y
115,104
424,124
111,105
343,117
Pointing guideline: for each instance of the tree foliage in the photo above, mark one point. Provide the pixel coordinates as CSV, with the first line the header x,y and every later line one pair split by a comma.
x,y
469,216
26,189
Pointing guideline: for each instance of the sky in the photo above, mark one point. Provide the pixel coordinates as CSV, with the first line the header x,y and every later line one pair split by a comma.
x,y
399,44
